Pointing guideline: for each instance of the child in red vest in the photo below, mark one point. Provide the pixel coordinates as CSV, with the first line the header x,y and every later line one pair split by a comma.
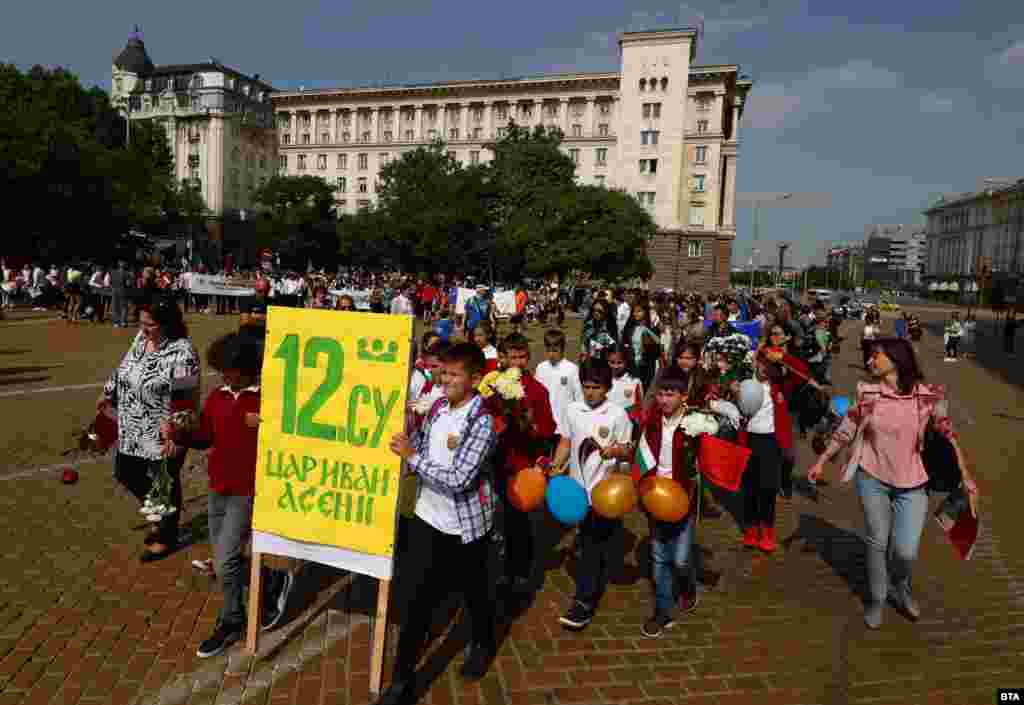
x,y
663,453
229,426
528,436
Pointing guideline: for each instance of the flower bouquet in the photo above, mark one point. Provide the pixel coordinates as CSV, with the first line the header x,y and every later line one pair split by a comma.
x,y
502,392
158,502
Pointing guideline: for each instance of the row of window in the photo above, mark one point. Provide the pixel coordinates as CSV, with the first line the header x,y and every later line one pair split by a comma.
x,y
477,133
501,112
647,198
653,83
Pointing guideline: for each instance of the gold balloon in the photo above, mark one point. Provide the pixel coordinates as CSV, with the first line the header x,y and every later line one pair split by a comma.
x,y
614,496
666,500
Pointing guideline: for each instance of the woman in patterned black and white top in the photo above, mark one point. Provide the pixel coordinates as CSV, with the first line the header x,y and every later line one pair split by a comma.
x,y
156,378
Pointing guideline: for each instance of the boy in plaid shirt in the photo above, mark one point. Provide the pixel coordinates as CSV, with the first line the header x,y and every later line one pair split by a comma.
x,y
450,534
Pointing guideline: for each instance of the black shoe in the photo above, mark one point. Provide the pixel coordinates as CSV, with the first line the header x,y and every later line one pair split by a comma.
x,y
223,636
398,693
656,626
477,662
578,616
277,600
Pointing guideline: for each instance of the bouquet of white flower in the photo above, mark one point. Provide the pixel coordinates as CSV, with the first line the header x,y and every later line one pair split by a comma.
x,y
697,423
158,502
508,385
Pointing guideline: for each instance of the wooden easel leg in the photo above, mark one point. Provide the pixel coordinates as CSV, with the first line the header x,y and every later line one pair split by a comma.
x,y
380,633
253,627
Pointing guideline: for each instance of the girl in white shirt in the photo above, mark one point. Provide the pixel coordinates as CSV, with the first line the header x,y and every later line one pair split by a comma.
x,y
626,390
483,338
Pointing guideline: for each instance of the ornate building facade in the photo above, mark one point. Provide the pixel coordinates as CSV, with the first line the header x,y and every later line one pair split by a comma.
x,y
661,128
219,122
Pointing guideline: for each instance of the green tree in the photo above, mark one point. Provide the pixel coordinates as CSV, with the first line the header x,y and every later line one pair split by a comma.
x,y
299,219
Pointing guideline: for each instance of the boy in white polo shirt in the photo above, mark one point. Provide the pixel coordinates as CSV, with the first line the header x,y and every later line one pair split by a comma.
x,y
560,377
596,437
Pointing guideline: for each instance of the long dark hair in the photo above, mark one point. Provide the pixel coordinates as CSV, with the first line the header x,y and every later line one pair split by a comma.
x,y
901,352
168,316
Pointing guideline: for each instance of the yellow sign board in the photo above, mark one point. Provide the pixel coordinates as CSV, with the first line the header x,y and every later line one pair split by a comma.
x,y
333,394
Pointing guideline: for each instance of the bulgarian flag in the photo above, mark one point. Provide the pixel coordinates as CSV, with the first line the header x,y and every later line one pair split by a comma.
x,y
635,411
645,461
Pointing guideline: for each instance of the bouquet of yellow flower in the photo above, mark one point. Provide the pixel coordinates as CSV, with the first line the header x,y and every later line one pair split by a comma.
x,y
501,392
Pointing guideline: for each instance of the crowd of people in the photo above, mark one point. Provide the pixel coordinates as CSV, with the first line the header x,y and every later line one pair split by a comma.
x,y
644,363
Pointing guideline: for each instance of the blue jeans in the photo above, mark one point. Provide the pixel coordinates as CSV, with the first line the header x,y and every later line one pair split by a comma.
x,y
671,545
894,519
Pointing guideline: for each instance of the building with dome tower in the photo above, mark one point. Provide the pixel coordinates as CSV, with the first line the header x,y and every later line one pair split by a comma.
x,y
219,123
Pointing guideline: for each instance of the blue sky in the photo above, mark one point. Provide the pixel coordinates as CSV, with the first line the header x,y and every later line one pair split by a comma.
x,y
880,104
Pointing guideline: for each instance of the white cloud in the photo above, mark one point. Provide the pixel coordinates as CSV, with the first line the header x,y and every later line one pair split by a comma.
x,y
933,103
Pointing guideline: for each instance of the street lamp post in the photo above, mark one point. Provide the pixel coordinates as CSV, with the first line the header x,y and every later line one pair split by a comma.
x,y
756,252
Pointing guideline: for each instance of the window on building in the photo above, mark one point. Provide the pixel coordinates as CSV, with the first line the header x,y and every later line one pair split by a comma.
x,y
664,83
343,161
342,184
410,135
697,216
695,248
363,184
646,198
325,138
502,131
605,107
346,119
526,112
643,84
577,130
383,158
432,134
649,137
305,138
409,115
474,157
321,161
387,136
478,114
286,138
698,182
282,162
363,204
346,136
700,154
652,110
501,112
365,137
302,162
263,162
601,156
599,179
364,160
702,127
306,120
603,130
453,133
648,166
478,133
574,154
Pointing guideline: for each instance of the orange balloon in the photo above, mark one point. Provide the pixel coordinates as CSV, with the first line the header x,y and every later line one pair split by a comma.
x,y
614,496
526,489
666,500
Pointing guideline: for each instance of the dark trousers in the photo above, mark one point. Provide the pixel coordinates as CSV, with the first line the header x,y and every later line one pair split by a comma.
x,y
1008,339
433,565
597,539
953,346
518,532
136,475
761,479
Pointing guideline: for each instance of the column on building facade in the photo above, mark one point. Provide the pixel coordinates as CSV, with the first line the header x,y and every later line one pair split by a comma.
x,y
467,120
587,120
737,103
490,118
729,184
720,108
372,113
564,105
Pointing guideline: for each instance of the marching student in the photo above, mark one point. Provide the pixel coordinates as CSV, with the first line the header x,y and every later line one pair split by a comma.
x,y
450,535
595,437
559,376
228,426
663,450
953,332
627,391
483,337
527,437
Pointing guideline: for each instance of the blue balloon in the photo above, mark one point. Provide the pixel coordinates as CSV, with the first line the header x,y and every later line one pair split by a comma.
x,y
841,405
567,500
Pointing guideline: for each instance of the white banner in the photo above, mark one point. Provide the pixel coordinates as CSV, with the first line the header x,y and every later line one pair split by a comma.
x,y
361,297
217,285
504,301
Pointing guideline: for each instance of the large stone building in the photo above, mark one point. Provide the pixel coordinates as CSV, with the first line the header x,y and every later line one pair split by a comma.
x,y
661,128
219,122
984,227
895,254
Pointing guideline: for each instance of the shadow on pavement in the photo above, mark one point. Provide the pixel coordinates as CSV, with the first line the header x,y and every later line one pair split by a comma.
x,y
842,550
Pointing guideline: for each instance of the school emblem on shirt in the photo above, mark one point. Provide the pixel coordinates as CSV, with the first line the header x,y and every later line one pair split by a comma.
x,y
453,441
604,432
565,381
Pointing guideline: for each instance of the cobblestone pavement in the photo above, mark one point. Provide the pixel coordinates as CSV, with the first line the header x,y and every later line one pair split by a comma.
x,y
82,621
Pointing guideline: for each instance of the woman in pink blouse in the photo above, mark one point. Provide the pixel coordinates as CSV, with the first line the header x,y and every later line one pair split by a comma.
x,y
891,416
